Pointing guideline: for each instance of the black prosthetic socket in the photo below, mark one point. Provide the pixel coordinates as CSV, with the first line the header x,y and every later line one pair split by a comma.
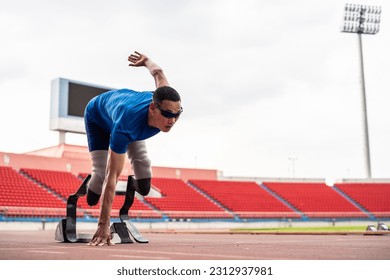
x,y
92,198
142,186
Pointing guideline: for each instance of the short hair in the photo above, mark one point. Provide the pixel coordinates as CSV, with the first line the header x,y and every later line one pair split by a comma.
x,y
165,93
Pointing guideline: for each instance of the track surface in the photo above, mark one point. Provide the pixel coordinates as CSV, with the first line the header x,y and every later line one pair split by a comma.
x,y
40,245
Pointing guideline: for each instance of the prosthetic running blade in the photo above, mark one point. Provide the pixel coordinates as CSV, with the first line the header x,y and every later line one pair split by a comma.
x,y
134,231
124,212
120,232
66,228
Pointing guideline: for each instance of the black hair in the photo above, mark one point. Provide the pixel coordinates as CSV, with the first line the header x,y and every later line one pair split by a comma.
x,y
165,93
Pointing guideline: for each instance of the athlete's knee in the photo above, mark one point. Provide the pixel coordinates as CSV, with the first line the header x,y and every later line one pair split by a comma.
x,y
140,161
94,191
95,184
96,181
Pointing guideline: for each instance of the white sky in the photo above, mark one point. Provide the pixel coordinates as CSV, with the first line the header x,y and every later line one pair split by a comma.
x,y
270,88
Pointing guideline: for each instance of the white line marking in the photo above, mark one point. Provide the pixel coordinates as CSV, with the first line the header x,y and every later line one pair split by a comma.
x,y
192,254
45,252
138,257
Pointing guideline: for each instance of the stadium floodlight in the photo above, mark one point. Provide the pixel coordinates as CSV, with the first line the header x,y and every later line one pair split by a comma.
x,y
363,19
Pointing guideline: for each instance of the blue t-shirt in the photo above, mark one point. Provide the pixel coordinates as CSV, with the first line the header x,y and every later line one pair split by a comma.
x,y
123,114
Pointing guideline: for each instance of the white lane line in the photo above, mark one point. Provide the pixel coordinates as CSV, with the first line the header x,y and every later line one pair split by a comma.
x,y
192,254
45,252
138,257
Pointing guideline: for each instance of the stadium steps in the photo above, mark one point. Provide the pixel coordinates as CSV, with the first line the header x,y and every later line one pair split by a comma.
x,y
40,184
179,201
246,199
355,203
374,197
27,173
235,216
24,198
316,200
282,200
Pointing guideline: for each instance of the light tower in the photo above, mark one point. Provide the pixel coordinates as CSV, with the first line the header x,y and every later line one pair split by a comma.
x,y
363,19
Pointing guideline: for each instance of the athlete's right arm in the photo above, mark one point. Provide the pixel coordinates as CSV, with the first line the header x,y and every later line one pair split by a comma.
x,y
115,165
138,59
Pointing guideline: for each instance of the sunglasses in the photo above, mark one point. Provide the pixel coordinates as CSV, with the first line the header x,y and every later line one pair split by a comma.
x,y
168,114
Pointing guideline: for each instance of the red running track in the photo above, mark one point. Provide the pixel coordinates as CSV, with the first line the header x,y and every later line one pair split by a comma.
x,y
40,245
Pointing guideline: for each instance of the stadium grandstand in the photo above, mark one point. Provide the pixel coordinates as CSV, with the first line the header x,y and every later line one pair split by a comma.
x,y
35,186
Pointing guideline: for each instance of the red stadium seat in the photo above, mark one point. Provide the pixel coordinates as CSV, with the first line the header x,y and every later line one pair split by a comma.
x,y
21,196
374,197
179,200
246,199
315,200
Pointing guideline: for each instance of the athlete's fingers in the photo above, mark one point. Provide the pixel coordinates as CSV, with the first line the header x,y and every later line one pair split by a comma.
x,y
90,243
109,243
97,241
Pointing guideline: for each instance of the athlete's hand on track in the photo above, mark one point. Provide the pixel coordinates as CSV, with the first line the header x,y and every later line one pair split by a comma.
x,y
102,237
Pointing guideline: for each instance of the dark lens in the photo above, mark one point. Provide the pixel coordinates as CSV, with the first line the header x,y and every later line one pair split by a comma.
x,y
170,115
167,114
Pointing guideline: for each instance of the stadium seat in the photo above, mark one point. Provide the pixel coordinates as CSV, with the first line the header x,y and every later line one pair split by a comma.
x,y
179,200
374,197
246,199
315,200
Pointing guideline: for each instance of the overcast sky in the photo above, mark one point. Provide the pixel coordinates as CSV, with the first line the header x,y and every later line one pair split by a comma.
x,y
270,88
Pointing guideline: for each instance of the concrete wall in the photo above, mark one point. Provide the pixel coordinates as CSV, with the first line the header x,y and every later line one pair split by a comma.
x,y
75,159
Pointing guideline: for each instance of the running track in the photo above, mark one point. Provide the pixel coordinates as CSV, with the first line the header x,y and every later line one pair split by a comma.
x,y
40,245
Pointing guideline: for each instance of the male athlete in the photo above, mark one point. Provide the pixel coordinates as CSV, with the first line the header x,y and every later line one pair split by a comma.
x,y
117,123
